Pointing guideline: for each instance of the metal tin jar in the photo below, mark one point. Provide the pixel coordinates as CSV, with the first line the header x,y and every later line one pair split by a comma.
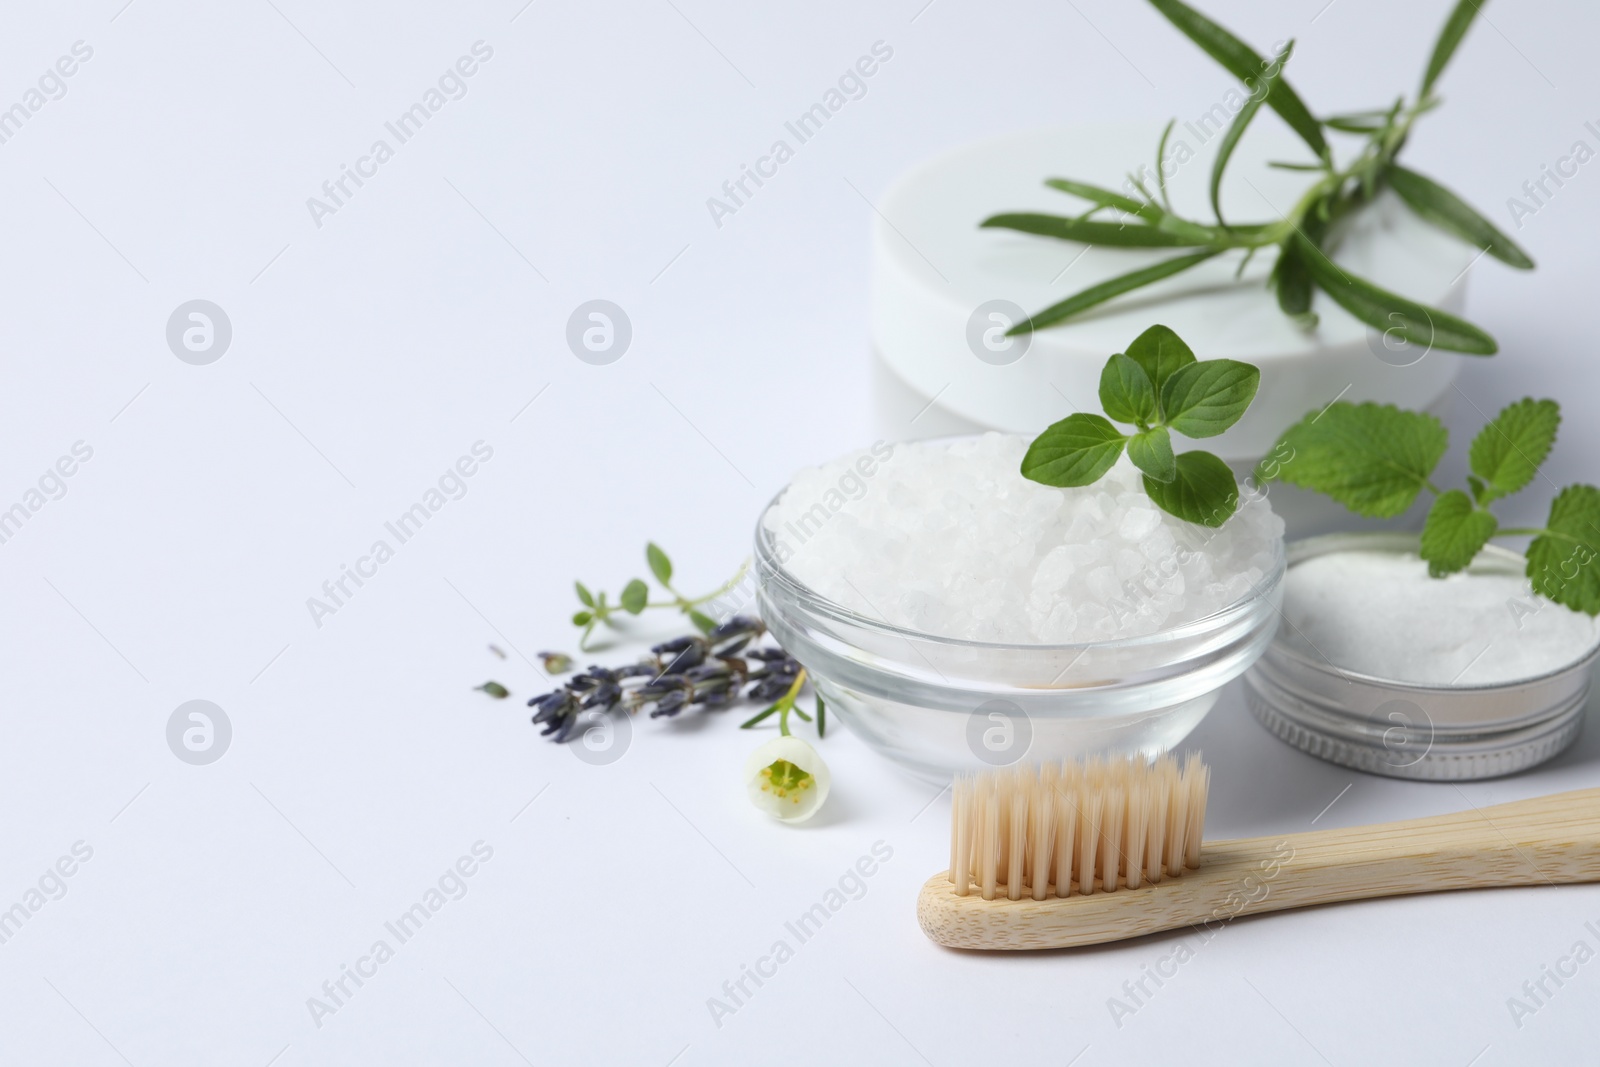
x,y
1406,730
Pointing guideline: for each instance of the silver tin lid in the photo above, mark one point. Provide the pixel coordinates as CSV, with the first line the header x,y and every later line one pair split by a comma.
x,y
1405,730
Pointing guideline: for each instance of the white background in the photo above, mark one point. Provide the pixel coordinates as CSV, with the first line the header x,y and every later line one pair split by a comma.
x,y
369,353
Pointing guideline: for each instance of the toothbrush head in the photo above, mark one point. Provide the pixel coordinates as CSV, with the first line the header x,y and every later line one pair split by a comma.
x,y
1059,829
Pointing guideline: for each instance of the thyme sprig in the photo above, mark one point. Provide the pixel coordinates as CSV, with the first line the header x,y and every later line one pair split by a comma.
x,y
1145,218
600,610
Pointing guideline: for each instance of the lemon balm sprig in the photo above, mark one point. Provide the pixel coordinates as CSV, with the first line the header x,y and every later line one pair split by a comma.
x,y
1376,459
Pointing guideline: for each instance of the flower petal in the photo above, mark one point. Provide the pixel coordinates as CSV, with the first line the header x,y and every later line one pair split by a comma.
x,y
787,779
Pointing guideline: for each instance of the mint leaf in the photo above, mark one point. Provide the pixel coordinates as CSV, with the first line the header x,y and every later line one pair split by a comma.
x,y
1161,353
1075,451
1202,491
634,595
1561,561
1454,533
702,622
660,565
586,597
1126,392
1507,452
1204,399
1151,452
1372,458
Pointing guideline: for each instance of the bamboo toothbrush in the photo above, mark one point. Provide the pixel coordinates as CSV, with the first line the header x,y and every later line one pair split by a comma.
x,y
1081,854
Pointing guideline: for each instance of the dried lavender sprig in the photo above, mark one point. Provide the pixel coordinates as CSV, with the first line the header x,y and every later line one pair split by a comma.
x,y
694,671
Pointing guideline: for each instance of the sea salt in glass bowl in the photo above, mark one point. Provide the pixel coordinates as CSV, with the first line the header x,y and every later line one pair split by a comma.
x,y
1452,731
938,705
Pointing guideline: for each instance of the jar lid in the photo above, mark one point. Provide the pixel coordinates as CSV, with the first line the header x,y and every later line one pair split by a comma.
x,y
1401,729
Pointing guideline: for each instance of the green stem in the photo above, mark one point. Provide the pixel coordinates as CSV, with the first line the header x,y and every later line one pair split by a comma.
x,y
681,601
787,702
603,614
1379,151
725,587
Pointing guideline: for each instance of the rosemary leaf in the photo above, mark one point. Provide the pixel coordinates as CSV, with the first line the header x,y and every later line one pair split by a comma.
x,y
1096,194
1434,203
1388,311
1455,28
1230,139
1240,60
1161,158
1112,287
1131,235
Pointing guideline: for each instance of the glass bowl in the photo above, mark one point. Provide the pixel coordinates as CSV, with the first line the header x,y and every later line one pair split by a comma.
x,y
1455,732
937,705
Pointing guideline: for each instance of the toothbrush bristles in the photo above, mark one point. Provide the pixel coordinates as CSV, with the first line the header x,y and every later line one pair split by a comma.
x,y
1063,828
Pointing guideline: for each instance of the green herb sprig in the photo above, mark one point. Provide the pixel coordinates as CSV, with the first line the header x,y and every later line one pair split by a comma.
x,y
786,704
599,610
1376,459
1303,237
1159,388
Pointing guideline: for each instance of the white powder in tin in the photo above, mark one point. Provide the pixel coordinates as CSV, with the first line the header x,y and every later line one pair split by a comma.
x,y
948,538
1378,613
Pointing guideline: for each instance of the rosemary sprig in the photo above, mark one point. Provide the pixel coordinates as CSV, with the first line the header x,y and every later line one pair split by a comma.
x,y
1302,237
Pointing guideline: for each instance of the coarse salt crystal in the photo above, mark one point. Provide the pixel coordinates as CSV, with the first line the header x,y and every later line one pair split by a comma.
x,y
1139,523
948,538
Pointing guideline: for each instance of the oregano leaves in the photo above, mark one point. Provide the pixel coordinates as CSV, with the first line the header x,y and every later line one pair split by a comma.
x,y
1157,387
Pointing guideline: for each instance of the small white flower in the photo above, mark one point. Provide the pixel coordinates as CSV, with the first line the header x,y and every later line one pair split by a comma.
x,y
787,779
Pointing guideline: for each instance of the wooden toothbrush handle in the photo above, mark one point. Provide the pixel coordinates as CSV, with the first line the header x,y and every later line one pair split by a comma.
x,y
1545,840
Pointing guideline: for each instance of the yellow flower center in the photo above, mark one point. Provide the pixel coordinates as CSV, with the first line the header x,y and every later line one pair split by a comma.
x,y
782,778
